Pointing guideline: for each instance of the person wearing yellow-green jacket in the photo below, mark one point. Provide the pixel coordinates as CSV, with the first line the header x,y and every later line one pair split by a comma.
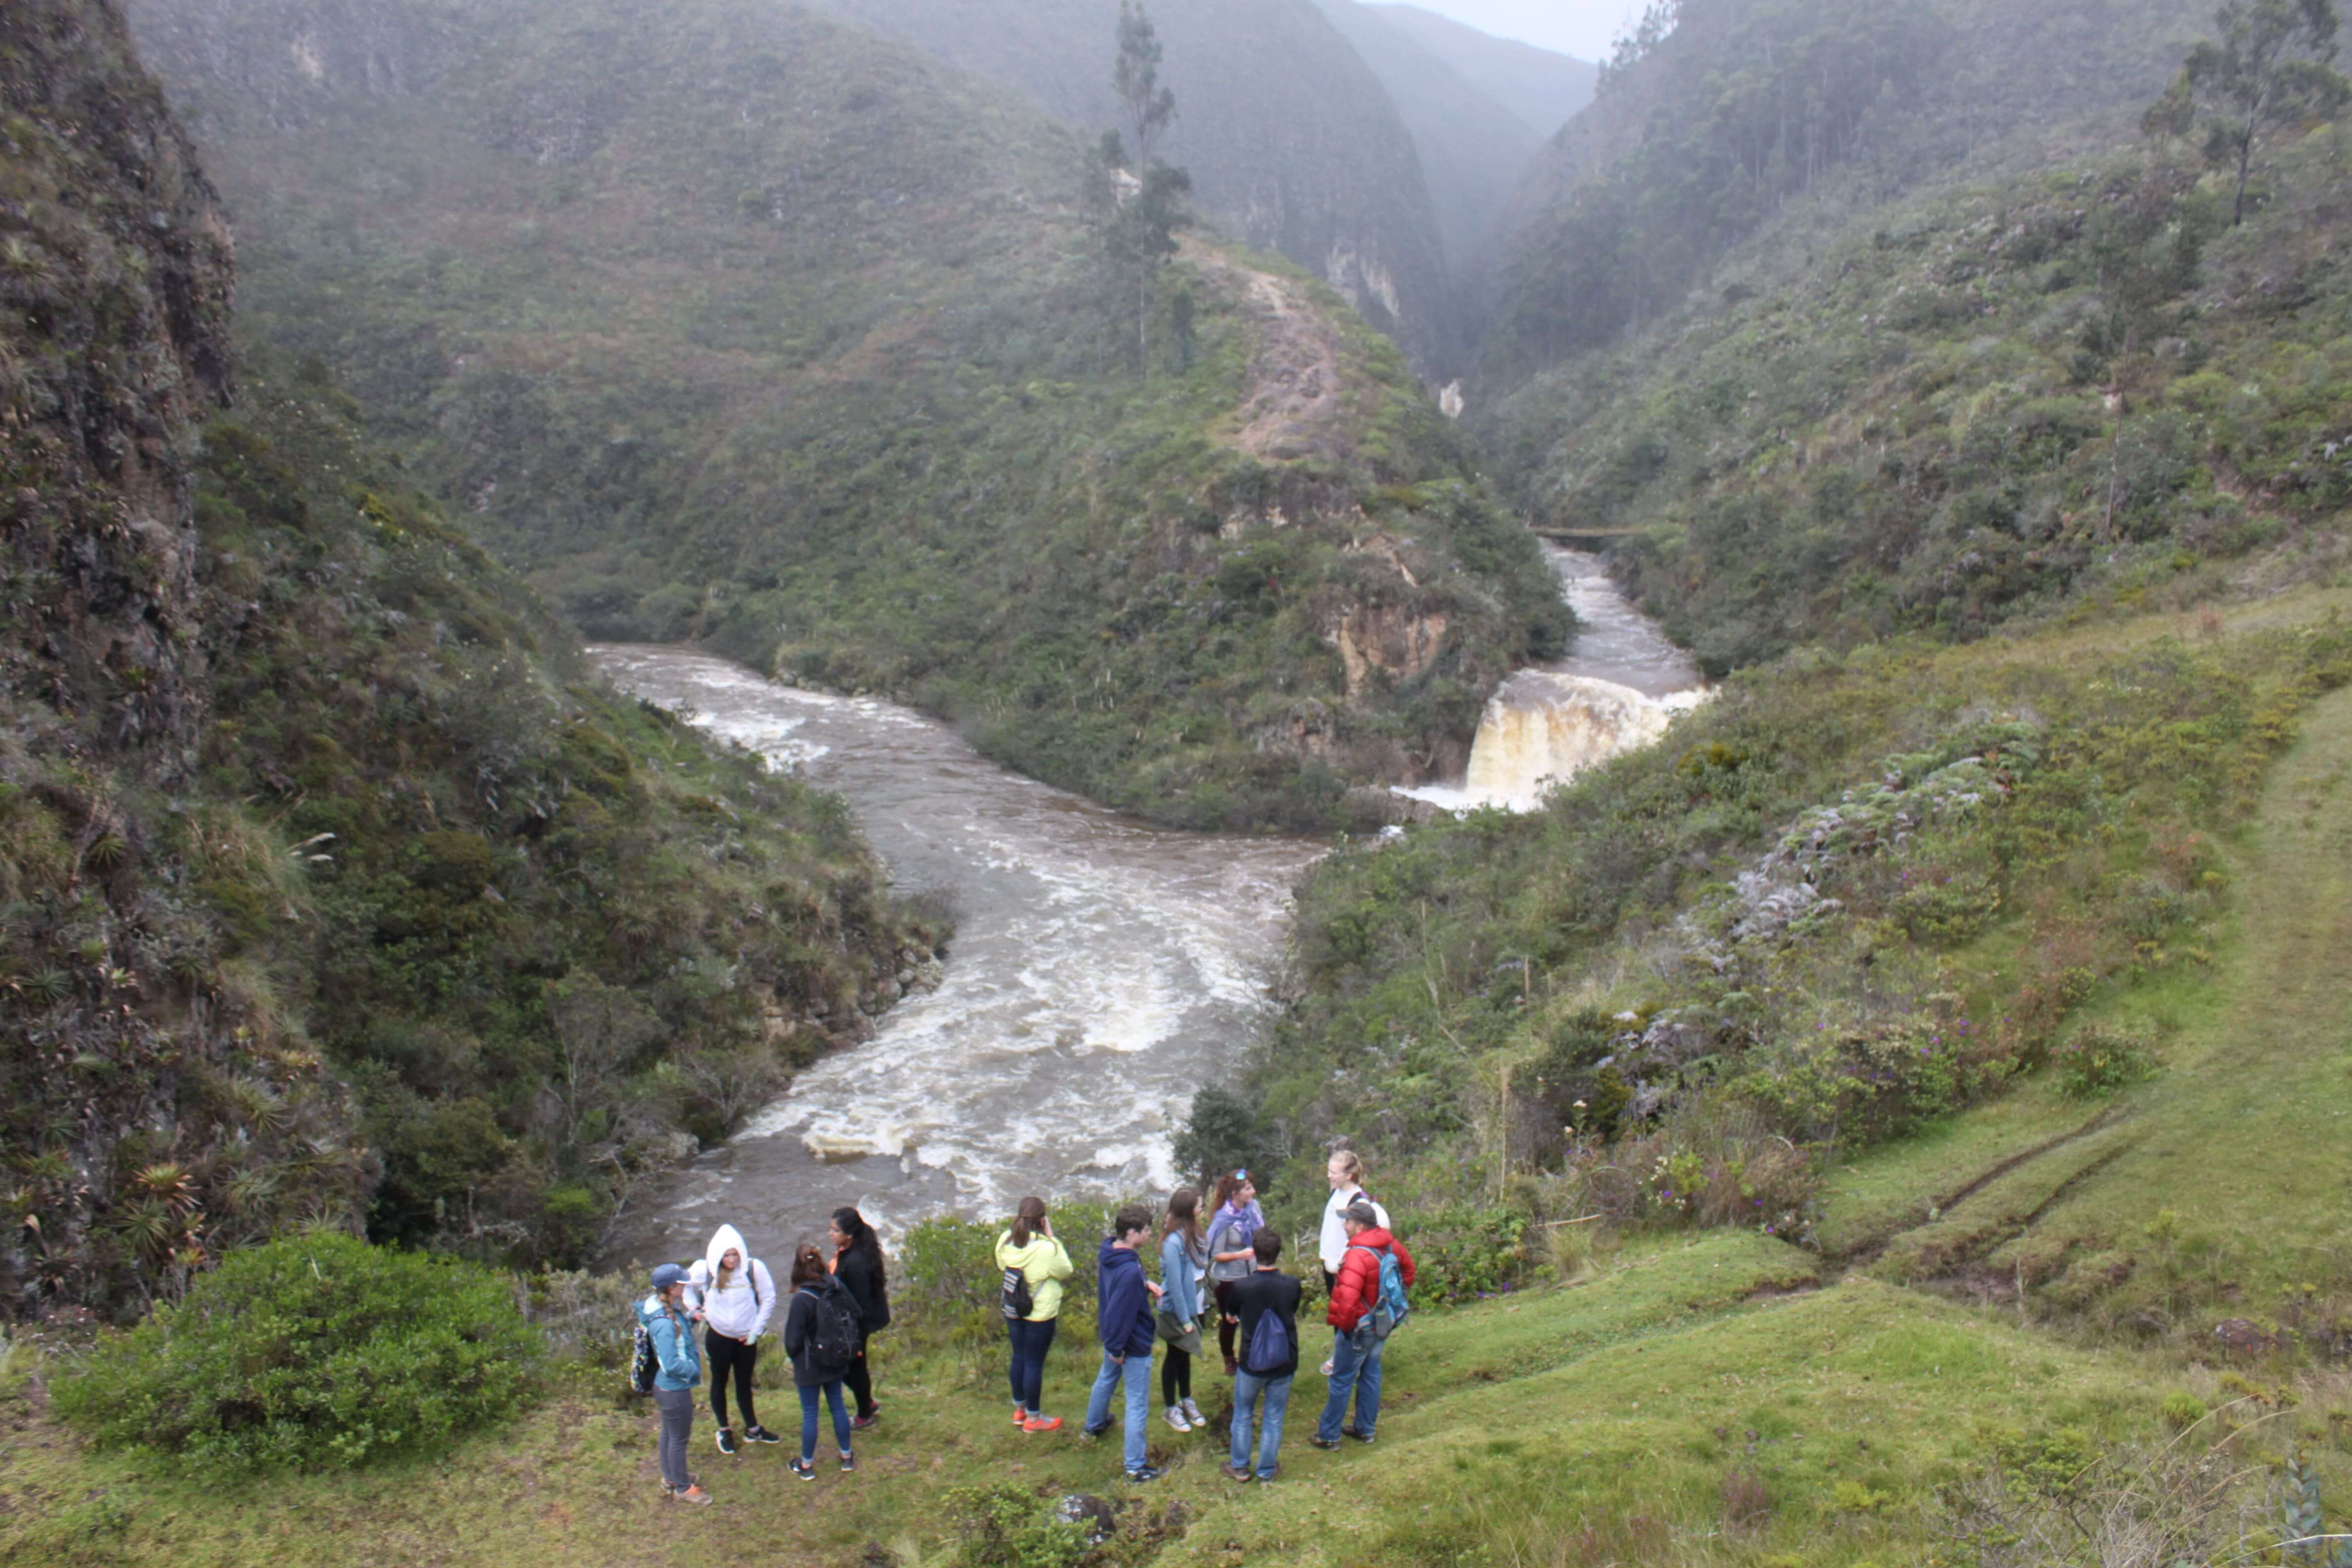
x,y
1035,1264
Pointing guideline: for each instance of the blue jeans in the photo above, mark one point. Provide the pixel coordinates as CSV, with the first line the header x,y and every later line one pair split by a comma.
x,y
1136,1372
1357,1369
1246,1387
1029,1343
831,1392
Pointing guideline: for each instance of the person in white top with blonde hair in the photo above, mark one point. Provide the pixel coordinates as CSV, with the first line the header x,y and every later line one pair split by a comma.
x,y
1345,1171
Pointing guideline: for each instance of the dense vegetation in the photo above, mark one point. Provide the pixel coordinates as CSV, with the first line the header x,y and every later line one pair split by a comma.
x,y
823,362
1971,406
331,889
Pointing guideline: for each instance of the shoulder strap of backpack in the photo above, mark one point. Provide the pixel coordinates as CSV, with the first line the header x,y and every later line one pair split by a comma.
x,y
752,1278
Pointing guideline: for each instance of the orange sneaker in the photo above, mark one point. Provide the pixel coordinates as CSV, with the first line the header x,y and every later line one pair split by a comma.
x,y
1020,1416
692,1494
1042,1423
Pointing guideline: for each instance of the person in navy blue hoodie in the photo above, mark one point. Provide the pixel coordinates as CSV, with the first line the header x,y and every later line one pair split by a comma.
x,y
1123,1301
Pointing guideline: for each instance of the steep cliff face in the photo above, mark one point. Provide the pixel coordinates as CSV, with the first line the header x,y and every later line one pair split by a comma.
x,y
299,790
1472,148
1293,143
115,287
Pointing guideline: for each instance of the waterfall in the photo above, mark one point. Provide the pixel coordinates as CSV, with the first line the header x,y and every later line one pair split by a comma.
x,y
1542,729
1619,688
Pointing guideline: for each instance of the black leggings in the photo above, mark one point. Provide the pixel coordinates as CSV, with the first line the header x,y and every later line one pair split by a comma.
x,y
739,1357
1225,1325
859,1381
1175,1375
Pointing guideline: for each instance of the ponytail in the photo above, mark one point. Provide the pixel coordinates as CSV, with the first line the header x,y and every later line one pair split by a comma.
x,y
1026,1219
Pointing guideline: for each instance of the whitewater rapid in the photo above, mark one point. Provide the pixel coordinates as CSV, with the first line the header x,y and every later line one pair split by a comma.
x,y
1102,970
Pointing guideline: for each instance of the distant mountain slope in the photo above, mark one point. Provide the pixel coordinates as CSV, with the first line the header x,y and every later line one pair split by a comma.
x,y
1472,147
742,323
1747,103
1544,90
1292,143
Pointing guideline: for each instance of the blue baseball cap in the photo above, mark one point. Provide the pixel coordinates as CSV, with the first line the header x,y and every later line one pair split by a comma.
x,y
668,1275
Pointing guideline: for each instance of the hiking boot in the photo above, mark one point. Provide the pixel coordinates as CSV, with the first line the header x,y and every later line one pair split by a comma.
x,y
1270,1477
1235,1472
1231,1366
691,1494
1192,1412
860,1423
1042,1423
1175,1418
760,1435
1320,1441
802,1468
1146,1473
848,1463
1359,1436
727,1440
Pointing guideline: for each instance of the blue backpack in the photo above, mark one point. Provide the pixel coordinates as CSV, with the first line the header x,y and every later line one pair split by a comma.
x,y
1269,1345
1389,1308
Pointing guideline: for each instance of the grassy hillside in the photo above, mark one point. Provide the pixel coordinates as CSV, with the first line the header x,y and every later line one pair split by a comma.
x,y
813,357
1966,407
1696,1403
320,859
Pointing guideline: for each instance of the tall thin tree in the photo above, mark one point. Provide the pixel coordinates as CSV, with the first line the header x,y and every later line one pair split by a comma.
x,y
2272,65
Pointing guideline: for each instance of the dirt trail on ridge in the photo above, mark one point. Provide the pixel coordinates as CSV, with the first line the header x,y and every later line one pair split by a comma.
x,y
1297,402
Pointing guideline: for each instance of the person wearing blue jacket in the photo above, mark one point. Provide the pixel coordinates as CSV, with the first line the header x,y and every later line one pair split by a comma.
x,y
1183,1259
662,1317
1123,1298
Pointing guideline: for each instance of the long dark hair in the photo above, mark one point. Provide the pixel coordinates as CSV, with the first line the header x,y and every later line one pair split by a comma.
x,y
1185,1216
862,1240
1028,1218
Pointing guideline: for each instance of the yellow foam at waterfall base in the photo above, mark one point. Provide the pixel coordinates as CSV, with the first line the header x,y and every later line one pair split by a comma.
x,y
1544,728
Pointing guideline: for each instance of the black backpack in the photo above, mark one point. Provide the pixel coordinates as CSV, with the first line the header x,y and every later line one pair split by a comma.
x,y
1018,1303
833,1337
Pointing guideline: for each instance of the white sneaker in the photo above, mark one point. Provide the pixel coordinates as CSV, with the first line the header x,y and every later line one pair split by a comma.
x,y
1176,1418
1193,1413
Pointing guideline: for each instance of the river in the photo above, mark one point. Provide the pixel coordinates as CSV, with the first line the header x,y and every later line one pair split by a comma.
x,y
1102,969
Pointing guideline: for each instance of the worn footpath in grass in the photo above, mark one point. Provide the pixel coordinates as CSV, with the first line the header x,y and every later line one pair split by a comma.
x,y
2216,1190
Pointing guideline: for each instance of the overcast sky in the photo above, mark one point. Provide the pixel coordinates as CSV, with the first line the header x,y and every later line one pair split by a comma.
x,y
1581,27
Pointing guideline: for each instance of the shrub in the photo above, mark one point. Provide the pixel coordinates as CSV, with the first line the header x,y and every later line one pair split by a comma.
x,y
1464,1252
947,1282
313,1352
2099,1059
1005,1527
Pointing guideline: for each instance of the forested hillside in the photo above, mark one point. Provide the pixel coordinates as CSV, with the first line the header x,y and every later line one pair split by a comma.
x,y
331,890
796,340
1716,113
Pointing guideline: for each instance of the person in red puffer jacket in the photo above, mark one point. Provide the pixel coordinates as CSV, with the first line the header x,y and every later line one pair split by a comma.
x,y
1356,1354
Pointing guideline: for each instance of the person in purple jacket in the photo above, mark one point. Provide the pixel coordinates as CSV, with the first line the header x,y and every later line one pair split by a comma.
x,y
1123,1301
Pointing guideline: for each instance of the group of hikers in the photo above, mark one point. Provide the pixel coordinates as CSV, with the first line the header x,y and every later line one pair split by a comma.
x,y
1228,1268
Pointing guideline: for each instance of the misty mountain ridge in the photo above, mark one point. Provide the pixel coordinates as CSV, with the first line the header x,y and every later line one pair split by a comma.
x,y
1543,88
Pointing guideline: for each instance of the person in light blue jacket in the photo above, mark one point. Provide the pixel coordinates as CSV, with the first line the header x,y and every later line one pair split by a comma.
x,y
664,1316
1183,1260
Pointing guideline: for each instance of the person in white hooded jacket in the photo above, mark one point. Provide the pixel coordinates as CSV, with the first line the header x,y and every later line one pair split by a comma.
x,y
733,1295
